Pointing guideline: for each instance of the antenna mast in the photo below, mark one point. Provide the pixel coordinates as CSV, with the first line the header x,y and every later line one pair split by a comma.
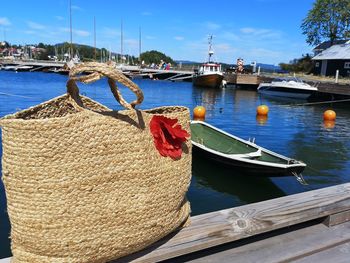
x,y
210,51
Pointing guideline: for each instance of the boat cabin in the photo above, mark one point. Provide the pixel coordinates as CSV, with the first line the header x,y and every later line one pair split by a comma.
x,y
210,67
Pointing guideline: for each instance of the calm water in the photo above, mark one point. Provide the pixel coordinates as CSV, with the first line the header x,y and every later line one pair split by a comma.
x,y
295,131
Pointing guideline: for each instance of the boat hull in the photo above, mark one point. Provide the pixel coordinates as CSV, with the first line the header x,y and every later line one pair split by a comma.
x,y
245,168
289,89
210,80
243,156
285,92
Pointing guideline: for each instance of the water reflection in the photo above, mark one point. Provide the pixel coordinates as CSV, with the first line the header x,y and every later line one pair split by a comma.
x,y
243,188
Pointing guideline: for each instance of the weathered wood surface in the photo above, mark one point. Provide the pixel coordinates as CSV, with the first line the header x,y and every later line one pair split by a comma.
x,y
245,79
299,245
228,225
333,88
338,254
338,218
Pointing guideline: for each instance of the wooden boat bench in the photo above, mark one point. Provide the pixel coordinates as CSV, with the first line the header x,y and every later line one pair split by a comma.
x,y
250,155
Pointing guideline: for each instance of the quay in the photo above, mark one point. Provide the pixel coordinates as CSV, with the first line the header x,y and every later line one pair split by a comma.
x,y
37,65
306,227
245,79
325,89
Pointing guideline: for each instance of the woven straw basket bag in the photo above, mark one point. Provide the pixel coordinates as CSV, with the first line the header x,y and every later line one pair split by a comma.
x,y
88,184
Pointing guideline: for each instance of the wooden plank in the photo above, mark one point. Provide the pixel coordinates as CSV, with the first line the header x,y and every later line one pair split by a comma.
x,y
282,247
334,88
338,218
228,225
338,254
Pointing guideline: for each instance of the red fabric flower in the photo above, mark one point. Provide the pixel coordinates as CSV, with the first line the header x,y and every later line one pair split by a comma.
x,y
168,136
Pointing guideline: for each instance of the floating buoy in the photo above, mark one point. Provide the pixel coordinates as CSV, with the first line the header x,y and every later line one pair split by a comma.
x,y
262,110
199,113
261,119
329,115
329,124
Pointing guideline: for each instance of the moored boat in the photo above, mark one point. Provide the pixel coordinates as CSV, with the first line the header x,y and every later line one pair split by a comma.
x,y
210,73
287,87
245,156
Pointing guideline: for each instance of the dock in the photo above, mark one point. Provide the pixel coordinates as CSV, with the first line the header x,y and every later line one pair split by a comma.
x,y
334,88
313,226
326,89
245,79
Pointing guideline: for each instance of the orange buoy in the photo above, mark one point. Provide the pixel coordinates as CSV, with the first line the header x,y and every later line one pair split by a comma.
x,y
329,124
329,115
199,113
262,110
261,119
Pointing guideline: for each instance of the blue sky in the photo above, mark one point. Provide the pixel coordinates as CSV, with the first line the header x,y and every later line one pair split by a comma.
x,y
266,31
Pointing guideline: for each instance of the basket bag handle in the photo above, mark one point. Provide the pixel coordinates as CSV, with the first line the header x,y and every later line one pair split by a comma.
x,y
97,71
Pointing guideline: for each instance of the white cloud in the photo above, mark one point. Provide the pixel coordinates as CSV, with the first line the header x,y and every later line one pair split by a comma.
x,y
223,47
4,21
29,32
212,26
179,38
60,18
261,32
230,36
81,33
150,37
75,7
132,43
34,25
110,32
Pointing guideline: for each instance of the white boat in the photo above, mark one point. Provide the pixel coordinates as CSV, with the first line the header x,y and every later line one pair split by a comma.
x,y
287,87
210,73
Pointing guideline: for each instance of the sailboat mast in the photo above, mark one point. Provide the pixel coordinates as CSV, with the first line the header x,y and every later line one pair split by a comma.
x,y
94,38
71,33
121,40
140,45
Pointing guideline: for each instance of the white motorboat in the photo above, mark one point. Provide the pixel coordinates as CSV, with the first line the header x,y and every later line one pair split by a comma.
x,y
287,87
210,73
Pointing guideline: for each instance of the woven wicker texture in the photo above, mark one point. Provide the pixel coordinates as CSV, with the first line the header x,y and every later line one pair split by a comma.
x,y
86,184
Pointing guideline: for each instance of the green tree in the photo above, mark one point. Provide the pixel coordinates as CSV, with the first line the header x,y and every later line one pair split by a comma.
x,y
154,56
327,20
303,64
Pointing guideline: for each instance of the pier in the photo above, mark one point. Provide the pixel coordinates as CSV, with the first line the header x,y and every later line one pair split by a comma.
x,y
304,227
245,79
36,64
325,88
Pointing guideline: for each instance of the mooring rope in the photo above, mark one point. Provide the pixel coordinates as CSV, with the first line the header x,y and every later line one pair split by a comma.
x,y
320,102
14,95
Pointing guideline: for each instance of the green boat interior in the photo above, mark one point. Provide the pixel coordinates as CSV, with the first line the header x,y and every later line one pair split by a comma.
x,y
223,143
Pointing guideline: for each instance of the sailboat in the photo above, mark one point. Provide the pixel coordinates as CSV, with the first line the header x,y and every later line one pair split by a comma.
x,y
210,73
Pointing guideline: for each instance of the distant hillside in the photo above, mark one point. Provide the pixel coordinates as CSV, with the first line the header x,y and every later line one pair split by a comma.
x,y
261,65
185,62
268,66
